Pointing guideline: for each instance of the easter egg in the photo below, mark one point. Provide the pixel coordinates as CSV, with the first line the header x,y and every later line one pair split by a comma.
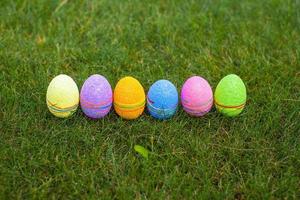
x,y
162,99
129,98
230,95
96,97
62,96
196,96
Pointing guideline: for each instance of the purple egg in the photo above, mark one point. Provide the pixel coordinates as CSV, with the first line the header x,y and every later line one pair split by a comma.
x,y
96,97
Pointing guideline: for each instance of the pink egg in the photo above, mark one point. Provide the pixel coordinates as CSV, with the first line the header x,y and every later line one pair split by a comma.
x,y
196,96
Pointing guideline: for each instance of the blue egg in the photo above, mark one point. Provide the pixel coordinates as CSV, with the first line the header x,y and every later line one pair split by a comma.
x,y
162,99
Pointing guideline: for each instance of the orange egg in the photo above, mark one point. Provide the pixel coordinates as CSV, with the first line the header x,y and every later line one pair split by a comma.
x,y
129,98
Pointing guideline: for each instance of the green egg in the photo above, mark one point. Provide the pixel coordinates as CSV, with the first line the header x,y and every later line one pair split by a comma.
x,y
230,95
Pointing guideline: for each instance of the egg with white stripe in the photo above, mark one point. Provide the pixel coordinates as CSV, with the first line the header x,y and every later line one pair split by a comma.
x,y
162,99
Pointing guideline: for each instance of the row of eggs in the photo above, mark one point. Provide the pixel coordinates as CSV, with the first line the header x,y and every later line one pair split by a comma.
x,y
96,97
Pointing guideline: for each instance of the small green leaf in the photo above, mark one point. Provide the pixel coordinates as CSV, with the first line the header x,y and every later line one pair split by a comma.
x,y
141,150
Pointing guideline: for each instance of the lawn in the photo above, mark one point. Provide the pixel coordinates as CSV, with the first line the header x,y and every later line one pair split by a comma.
x,y
253,156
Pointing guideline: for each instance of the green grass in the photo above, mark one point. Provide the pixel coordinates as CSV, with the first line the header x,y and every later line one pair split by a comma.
x,y
253,156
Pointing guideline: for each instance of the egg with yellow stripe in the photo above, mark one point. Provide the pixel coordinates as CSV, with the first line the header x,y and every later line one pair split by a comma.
x,y
129,98
62,96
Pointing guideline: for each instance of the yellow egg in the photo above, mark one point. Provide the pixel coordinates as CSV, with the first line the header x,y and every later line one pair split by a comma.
x,y
62,96
129,98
